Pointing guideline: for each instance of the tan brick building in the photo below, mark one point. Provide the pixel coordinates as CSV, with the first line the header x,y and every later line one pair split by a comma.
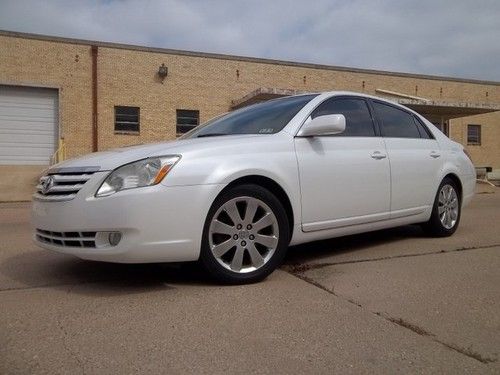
x,y
90,81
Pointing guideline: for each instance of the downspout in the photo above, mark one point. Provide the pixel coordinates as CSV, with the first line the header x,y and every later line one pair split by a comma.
x,y
95,145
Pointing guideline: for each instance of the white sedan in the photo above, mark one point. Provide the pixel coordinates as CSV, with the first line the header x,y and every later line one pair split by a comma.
x,y
235,192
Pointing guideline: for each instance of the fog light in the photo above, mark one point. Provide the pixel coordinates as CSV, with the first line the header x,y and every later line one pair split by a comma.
x,y
114,238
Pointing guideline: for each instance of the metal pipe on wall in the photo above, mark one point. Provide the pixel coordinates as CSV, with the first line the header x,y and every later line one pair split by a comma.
x,y
95,145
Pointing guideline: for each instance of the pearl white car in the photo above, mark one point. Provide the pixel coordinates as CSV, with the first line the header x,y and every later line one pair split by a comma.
x,y
235,192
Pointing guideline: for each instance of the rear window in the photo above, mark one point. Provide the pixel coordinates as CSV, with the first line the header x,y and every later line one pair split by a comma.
x,y
423,129
395,122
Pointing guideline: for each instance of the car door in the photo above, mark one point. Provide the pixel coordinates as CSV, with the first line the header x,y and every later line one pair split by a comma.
x,y
344,178
414,156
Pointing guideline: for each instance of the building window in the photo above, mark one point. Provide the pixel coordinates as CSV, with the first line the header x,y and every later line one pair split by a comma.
x,y
126,119
473,134
187,120
444,127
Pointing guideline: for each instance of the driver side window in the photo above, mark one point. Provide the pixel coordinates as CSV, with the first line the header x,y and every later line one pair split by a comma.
x,y
358,119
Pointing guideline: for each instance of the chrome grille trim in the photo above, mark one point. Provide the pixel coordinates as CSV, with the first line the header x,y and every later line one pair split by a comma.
x,y
74,170
71,177
61,187
67,239
53,198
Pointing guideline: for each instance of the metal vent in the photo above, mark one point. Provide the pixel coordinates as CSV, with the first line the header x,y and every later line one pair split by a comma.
x,y
71,239
60,187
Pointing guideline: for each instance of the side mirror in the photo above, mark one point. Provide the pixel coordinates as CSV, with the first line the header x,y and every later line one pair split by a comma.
x,y
323,125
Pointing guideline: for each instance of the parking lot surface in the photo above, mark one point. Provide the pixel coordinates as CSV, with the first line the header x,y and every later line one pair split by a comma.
x,y
391,301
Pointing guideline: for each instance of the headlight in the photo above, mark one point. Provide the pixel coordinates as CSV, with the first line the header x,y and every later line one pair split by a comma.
x,y
146,172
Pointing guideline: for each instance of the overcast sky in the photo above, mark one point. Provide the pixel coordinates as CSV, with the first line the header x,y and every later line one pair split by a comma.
x,y
443,37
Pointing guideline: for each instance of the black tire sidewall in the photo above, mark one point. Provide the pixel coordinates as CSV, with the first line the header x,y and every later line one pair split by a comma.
x,y
212,265
434,225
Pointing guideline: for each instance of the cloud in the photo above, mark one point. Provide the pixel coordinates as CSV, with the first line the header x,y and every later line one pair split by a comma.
x,y
455,38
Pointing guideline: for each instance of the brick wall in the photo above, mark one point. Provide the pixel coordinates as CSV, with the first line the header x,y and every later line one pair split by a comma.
x,y
128,77
209,85
63,66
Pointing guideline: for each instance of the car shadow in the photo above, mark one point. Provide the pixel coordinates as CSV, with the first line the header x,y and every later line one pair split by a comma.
x,y
314,252
44,269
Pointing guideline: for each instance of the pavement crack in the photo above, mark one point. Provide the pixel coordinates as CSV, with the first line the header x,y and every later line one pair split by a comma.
x,y
469,353
403,323
313,282
322,287
304,267
66,347
422,332
299,271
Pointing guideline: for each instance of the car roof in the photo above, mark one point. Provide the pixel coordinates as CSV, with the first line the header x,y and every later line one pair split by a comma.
x,y
327,94
294,125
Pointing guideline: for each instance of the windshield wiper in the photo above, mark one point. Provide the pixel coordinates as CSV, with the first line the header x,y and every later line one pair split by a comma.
x,y
210,135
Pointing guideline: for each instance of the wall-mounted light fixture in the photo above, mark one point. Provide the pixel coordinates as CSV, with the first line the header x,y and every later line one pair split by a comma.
x,y
162,71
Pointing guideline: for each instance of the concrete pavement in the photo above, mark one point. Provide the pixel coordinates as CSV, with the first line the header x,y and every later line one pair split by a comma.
x,y
452,298
386,302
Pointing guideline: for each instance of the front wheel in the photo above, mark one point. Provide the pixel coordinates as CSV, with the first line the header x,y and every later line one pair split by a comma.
x,y
245,236
446,210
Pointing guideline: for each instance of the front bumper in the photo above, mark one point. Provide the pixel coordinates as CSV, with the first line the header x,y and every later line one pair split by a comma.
x,y
158,223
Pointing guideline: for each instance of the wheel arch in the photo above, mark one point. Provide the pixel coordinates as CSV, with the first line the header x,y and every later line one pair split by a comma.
x,y
454,177
272,186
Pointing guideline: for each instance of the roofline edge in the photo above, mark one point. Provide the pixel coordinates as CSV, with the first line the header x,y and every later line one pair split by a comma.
x,y
220,56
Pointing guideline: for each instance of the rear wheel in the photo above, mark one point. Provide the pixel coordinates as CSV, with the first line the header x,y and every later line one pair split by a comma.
x,y
446,211
245,236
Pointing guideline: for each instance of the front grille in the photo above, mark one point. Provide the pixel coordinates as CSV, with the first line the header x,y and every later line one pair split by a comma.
x,y
72,239
61,186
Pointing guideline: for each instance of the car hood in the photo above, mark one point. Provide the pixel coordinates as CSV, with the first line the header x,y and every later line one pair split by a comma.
x,y
108,160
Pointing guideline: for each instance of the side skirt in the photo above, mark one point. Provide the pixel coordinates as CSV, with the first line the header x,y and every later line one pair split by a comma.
x,y
402,217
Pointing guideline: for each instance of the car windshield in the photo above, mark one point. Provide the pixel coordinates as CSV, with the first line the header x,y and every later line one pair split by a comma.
x,y
263,118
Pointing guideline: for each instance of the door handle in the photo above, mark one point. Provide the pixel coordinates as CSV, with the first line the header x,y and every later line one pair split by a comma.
x,y
435,154
378,155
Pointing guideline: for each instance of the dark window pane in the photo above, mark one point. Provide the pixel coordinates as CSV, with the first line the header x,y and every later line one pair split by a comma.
x,y
184,113
395,122
126,119
181,129
126,127
474,134
187,120
358,120
443,127
422,129
127,110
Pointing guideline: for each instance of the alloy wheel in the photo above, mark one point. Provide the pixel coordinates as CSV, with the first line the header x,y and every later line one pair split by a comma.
x,y
243,234
448,206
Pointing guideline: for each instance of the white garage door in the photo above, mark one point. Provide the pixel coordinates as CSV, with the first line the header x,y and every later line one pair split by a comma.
x,y
28,125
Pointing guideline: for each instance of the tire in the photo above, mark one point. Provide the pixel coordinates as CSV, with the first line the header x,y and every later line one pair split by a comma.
x,y
238,248
446,210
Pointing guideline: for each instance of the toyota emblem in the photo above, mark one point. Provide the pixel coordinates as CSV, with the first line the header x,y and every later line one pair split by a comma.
x,y
47,184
